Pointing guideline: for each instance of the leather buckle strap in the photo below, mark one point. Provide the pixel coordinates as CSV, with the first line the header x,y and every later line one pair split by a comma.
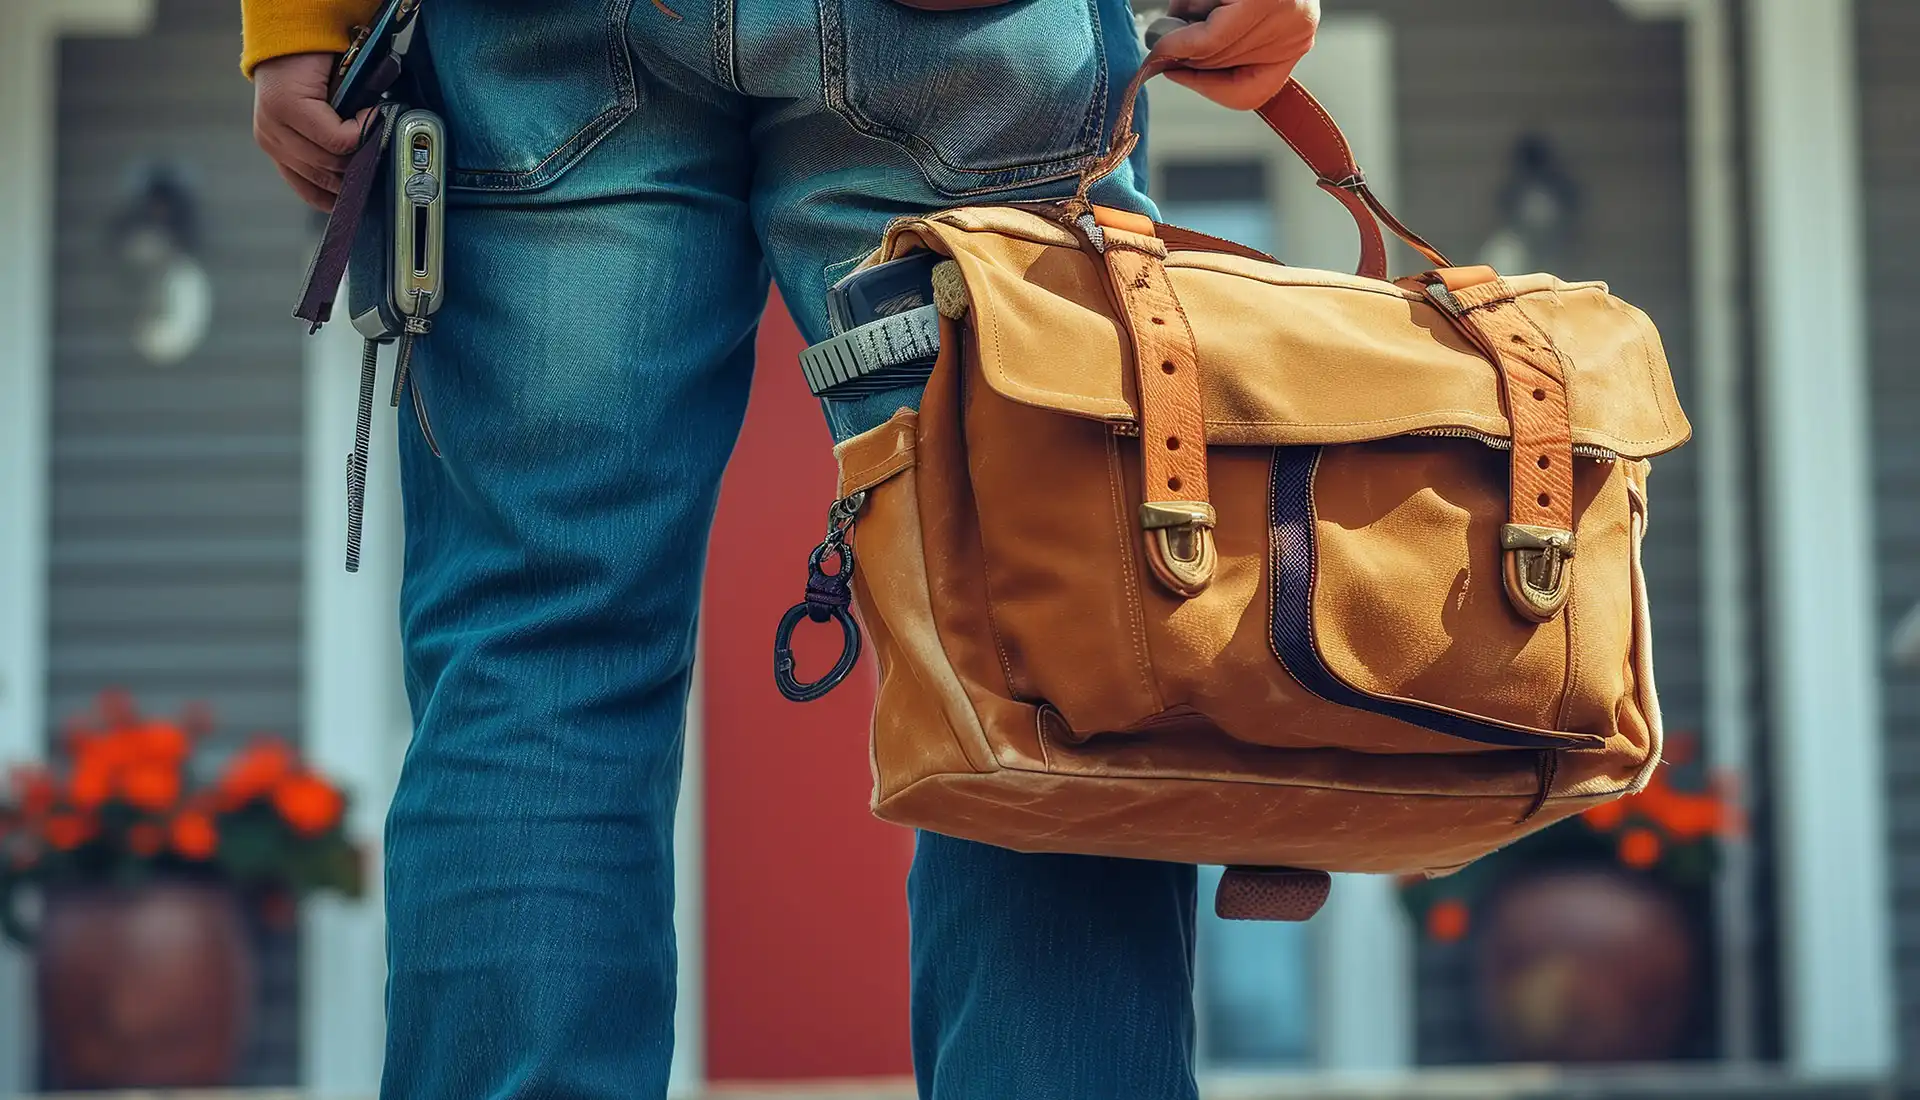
x,y
1175,516
1537,543
329,264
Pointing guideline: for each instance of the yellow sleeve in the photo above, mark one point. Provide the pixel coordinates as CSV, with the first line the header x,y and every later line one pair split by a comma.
x,y
276,28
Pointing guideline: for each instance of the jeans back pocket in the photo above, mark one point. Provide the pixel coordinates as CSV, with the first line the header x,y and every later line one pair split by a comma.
x,y
529,88
983,99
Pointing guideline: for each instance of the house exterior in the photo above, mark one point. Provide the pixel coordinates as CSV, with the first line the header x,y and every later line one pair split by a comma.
x,y
1748,171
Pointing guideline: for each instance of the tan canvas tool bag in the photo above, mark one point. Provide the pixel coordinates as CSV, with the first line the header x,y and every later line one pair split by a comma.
x,y
1188,555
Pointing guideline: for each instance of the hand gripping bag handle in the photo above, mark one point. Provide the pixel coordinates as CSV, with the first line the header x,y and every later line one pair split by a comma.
x,y
1310,132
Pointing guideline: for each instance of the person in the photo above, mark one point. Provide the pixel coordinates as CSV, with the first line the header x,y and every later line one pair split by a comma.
x,y
627,175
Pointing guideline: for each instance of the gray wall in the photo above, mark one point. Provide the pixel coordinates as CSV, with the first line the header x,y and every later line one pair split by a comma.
x,y
177,491
1890,100
1609,93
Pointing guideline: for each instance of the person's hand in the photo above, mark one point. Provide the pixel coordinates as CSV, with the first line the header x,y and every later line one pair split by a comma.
x,y
298,130
1239,53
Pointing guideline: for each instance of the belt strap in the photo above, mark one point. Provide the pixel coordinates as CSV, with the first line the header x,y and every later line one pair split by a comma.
x,y
912,336
1175,514
1538,540
329,263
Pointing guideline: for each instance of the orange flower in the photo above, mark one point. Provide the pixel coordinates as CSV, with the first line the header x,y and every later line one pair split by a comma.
x,y
1607,816
92,782
255,772
194,836
151,787
1639,848
69,831
145,839
36,791
308,803
1447,920
157,742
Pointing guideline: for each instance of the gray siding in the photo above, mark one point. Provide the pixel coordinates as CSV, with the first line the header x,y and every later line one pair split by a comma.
x,y
177,491
1890,100
1609,93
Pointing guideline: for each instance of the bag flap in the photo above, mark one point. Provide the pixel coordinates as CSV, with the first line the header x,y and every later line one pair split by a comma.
x,y
1289,355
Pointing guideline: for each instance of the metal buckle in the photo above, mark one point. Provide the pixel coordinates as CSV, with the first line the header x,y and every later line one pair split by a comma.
x,y
1180,543
1536,568
359,35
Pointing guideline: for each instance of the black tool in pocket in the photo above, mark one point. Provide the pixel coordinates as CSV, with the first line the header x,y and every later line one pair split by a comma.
x,y
386,234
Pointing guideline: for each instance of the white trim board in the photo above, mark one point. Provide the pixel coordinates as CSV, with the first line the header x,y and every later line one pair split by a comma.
x,y
30,31
1810,322
354,715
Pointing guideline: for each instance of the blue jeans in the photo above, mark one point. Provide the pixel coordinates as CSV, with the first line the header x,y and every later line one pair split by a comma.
x,y
629,176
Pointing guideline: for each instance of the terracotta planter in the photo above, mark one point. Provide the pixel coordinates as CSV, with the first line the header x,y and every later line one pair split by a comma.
x,y
1586,966
144,987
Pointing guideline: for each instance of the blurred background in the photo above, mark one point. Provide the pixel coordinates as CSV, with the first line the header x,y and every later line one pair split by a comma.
x,y
1748,171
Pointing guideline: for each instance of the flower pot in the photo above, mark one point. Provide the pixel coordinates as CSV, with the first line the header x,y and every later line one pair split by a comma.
x,y
1586,966
148,986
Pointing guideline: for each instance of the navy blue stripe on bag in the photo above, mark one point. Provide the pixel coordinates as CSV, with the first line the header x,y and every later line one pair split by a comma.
x,y
1292,563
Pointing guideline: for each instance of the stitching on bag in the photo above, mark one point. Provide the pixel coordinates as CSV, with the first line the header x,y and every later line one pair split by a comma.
x,y
1645,324
986,573
877,473
1571,677
1136,615
1559,799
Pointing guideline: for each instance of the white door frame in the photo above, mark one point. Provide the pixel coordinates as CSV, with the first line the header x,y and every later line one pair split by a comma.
x,y
354,716
1825,660
30,31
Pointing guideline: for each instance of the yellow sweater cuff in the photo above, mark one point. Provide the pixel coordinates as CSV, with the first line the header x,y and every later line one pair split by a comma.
x,y
276,28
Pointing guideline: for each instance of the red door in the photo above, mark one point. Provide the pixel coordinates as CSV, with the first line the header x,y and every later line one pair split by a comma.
x,y
806,929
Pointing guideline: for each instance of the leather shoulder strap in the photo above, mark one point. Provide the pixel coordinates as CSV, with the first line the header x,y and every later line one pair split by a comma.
x,y
1310,132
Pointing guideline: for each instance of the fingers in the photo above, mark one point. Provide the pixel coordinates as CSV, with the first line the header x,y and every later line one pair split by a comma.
x,y
326,179
1191,10
1244,51
1241,33
1243,88
314,120
313,196
298,130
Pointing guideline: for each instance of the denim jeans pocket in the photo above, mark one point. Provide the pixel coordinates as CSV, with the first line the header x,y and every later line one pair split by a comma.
x,y
529,87
983,99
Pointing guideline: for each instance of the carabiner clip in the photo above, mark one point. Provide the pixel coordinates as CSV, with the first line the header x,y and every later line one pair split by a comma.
x,y
829,595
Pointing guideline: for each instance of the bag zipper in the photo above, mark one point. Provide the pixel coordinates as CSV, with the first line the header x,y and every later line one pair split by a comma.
x,y
1129,429
1502,443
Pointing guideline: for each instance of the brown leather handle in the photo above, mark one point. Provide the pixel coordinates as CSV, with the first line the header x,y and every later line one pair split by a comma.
x,y
1310,132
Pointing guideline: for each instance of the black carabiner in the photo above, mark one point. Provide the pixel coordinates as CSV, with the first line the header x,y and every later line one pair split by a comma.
x,y
783,656
828,597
